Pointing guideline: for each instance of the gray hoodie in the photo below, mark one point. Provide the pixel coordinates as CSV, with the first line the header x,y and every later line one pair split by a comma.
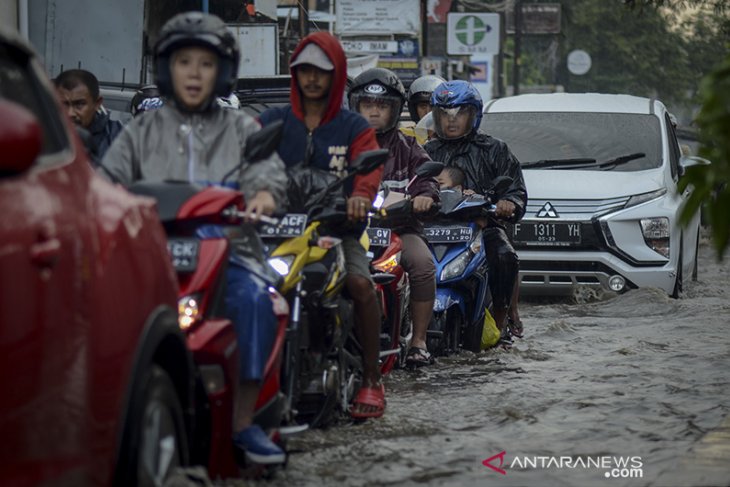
x,y
167,144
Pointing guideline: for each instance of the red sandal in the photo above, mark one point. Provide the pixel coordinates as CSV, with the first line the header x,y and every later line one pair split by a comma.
x,y
369,396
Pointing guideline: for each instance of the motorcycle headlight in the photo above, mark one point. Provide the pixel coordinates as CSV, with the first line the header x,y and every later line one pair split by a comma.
x,y
644,197
378,203
281,264
188,311
476,244
656,234
456,267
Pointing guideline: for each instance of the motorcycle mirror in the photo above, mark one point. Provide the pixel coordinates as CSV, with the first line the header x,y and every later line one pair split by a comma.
x,y
263,143
430,169
369,160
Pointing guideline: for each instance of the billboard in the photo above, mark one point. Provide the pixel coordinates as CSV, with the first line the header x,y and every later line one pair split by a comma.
x,y
358,17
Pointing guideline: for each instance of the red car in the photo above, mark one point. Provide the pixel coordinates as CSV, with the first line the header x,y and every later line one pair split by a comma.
x,y
97,381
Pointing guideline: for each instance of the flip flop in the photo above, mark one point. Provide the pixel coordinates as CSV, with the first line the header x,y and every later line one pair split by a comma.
x,y
369,396
515,327
418,357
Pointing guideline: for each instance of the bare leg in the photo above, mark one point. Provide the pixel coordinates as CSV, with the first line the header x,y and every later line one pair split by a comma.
x,y
421,313
367,325
514,313
500,318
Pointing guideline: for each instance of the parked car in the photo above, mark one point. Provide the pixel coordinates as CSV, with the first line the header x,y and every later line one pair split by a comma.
x,y
118,101
96,377
257,93
601,173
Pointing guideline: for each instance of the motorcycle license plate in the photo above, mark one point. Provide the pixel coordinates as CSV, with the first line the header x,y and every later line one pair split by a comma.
x,y
546,233
448,234
379,237
290,225
184,253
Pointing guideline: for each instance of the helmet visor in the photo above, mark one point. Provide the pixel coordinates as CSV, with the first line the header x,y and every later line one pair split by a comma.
x,y
382,112
453,122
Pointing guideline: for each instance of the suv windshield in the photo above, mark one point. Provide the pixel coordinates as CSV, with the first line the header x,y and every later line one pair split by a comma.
x,y
573,136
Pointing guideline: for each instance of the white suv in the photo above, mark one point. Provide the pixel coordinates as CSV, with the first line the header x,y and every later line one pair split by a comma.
x,y
601,174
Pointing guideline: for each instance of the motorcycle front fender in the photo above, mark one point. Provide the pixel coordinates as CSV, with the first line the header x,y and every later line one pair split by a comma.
x,y
446,298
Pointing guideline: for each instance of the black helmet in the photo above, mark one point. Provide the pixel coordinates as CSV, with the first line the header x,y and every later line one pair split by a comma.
x,y
382,85
420,92
146,98
202,30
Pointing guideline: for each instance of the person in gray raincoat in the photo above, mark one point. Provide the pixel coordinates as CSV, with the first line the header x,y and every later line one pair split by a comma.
x,y
191,138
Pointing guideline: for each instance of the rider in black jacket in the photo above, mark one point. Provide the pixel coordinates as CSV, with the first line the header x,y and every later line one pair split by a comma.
x,y
457,112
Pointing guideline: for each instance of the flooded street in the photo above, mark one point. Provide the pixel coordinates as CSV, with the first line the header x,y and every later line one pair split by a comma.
x,y
637,378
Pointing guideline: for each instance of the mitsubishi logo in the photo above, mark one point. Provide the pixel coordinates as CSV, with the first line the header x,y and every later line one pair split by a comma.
x,y
547,211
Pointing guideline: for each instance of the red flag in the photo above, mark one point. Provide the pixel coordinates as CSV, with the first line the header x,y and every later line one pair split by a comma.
x,y
436,10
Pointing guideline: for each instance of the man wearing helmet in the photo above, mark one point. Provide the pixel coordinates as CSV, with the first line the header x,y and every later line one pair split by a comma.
x,y
320,134
419,106
147,98
378,95
457,112
191,138
419,95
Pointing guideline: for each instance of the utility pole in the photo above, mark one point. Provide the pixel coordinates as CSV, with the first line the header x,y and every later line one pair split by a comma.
x,y
303,20
500,54
518,40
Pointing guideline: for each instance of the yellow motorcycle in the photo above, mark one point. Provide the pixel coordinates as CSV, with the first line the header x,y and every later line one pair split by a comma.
x,y
322,366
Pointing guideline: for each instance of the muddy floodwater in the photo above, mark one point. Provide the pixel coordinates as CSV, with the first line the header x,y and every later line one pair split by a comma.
x,y
609,390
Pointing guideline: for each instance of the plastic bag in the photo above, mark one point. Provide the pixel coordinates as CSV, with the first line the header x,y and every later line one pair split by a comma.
x,y
490,332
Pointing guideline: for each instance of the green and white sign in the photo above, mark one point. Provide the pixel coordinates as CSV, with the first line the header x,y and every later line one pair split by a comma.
x,y
472,33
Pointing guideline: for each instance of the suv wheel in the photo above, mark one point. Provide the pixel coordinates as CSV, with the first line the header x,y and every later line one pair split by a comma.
x,y
156,432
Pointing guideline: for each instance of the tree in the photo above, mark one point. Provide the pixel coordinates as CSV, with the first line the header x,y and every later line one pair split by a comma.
x,y
710,182
633,52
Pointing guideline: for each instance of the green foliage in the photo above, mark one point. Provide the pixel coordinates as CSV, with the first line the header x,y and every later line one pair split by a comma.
x,y
710,182
632,51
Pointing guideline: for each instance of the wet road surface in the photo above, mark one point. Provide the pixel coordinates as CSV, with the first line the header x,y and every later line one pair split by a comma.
x,y
611,391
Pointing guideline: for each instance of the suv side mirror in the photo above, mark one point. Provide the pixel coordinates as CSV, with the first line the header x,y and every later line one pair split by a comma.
x,y
21,138
689,161
263,143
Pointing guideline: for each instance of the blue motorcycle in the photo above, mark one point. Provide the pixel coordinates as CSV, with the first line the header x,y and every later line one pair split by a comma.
x,y
462,286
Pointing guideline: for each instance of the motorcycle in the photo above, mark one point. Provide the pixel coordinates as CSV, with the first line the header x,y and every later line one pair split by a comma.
x,y
198,221
322,367
462,288
391,281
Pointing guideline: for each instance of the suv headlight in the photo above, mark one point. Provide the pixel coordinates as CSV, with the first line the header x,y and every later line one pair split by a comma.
x,y
644,197
656,234
282,264
456,267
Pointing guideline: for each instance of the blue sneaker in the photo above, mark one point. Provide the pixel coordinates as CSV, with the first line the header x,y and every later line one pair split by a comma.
x,y
258,447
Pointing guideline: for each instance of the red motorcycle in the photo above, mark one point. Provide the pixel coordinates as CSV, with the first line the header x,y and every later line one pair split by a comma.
x,y
393,291
198,221
391,280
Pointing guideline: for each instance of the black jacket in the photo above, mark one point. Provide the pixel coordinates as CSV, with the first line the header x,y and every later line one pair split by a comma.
x,y
483,158
103,131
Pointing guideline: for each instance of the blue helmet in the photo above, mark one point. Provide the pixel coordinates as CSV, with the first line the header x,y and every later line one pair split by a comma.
x,y
454,97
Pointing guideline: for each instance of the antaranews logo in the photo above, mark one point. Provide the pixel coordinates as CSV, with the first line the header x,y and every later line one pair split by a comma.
x,y
612,466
